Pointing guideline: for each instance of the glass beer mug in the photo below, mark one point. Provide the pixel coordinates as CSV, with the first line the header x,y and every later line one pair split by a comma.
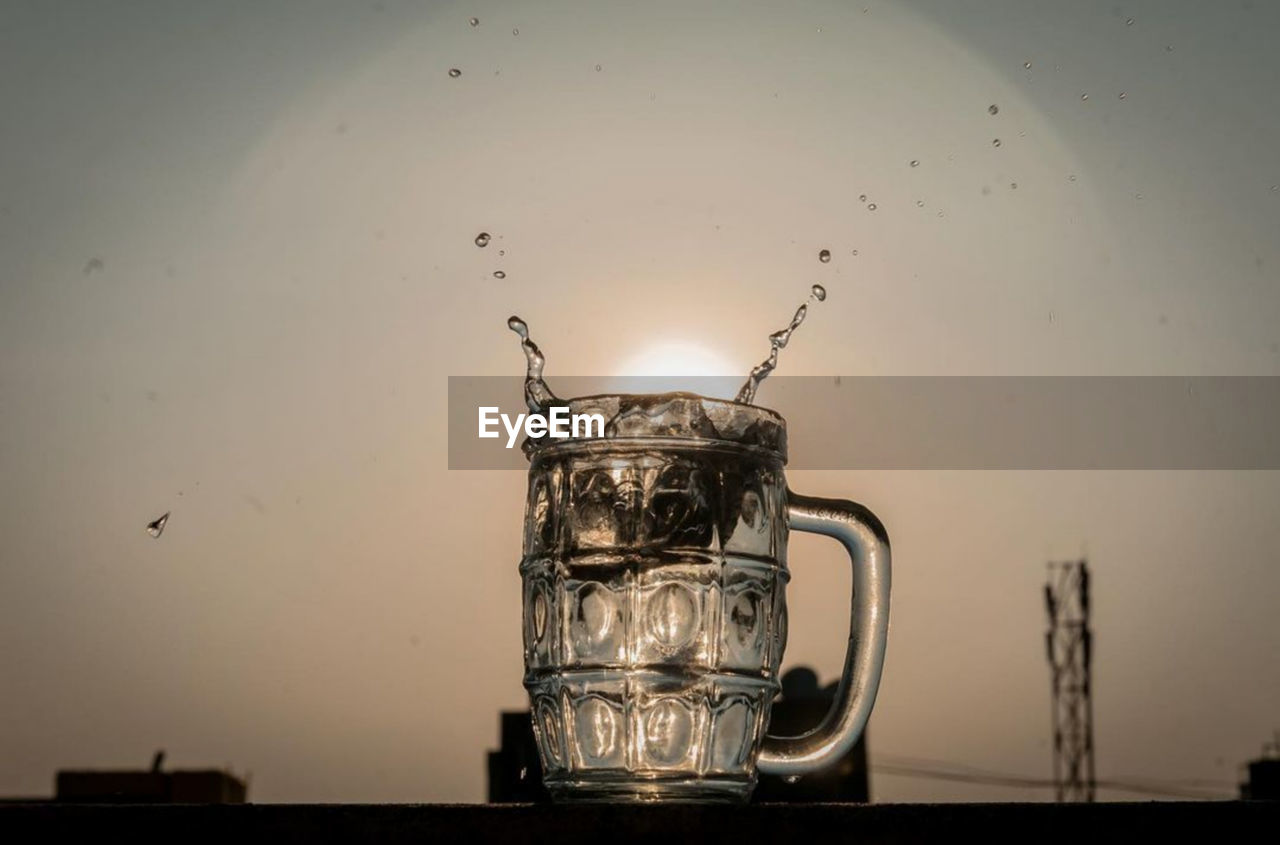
x,y
654,589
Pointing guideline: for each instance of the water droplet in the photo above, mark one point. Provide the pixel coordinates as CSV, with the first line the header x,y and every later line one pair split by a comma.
x,y
536,393
993,109
1027,65
915,162
1071,178
1168,48
482,239
1050,316
791,779
1013,186
862,197
515,32
1128,21
919,203
475,21
939,213
1137,196
502,252
498,274
777,341
1122,95
995,142
598,68
454,72
855,252
1084,97
871,207
524,773
156,527
824,256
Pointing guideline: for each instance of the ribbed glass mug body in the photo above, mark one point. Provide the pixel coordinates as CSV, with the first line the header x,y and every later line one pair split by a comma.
x,y
654,575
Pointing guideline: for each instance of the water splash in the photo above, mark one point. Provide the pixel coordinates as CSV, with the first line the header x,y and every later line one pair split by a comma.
x,y
777,341
536,393
156,527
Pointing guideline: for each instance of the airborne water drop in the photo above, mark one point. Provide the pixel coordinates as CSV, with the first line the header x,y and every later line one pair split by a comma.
x,y
777,341
536,393
156,527
824,256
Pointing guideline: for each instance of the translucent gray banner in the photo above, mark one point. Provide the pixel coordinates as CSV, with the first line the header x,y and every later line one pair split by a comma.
x,y
951,423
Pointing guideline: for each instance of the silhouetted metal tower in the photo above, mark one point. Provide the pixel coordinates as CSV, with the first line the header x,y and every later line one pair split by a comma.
x,y
1069,644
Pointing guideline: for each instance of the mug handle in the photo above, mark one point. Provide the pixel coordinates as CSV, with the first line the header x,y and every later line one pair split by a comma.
x,y
868,545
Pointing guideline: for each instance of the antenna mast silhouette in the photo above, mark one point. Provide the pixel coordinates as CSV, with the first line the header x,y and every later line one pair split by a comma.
x,y
1069,646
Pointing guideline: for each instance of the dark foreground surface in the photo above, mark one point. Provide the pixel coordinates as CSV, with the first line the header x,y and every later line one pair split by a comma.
x,y
1208,822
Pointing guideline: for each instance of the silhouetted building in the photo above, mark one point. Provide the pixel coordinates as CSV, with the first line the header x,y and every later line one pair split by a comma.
x,y
515,771
202,786
1264,781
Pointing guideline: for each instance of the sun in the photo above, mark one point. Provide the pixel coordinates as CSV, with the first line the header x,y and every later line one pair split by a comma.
x,y
679,365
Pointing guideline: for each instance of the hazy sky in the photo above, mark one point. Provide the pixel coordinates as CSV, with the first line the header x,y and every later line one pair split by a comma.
x,y
237,266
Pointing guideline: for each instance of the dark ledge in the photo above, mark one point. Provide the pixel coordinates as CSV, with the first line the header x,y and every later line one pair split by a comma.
x,y
1128,823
